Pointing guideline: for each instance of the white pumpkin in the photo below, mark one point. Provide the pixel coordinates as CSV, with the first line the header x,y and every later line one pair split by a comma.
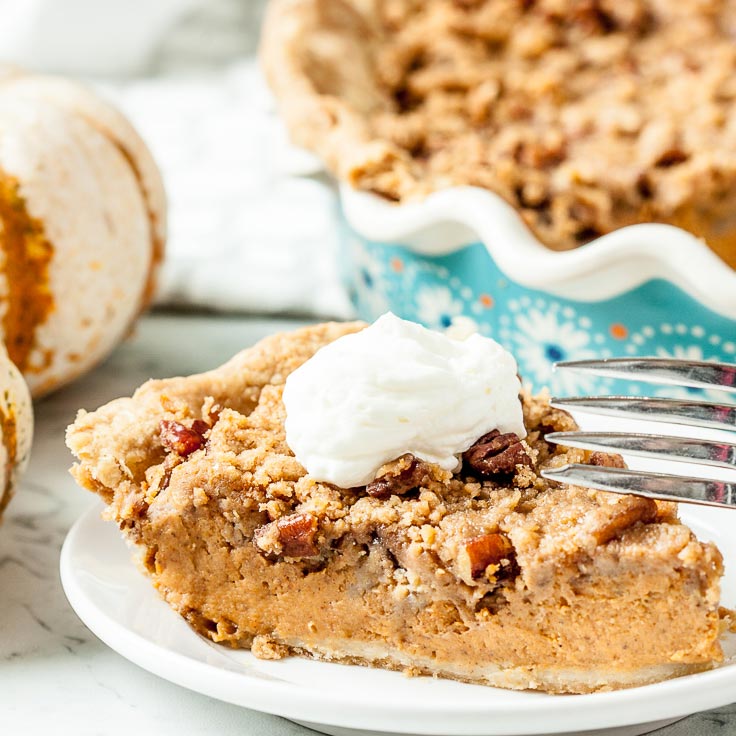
x,y
82,227
16,427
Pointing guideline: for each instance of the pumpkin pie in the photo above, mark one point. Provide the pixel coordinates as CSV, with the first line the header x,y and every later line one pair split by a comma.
x,y
487,573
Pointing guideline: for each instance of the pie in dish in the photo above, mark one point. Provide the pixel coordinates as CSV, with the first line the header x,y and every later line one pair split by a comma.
x,y
585,115
487,574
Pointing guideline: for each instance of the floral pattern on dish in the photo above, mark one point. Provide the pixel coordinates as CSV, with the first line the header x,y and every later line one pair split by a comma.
x,y
542,334
437,307
368,273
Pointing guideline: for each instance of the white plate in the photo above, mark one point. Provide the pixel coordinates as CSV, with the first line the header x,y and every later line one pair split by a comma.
x,y
121,607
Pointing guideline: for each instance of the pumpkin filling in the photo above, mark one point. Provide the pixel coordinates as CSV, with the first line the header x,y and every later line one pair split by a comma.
x,y
27,256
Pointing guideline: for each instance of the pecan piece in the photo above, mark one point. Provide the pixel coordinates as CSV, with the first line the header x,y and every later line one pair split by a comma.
x,y
170,462
592,18
606,461
497,454
294,535
395,485
478,553
671,157
467,4
624,514
183,440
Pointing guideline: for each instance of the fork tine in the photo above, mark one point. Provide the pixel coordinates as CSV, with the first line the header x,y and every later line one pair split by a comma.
x,y
692,413
661,486
695,374
720,454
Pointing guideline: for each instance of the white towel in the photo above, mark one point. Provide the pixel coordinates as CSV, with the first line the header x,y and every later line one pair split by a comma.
x,y
248,231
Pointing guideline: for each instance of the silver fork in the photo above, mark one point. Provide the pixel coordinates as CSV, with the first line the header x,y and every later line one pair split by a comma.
x,y
663,486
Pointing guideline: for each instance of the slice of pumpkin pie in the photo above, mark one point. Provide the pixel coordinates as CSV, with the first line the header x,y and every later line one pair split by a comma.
x,y
373,496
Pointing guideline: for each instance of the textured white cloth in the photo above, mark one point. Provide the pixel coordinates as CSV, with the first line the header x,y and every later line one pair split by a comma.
x,y
246,233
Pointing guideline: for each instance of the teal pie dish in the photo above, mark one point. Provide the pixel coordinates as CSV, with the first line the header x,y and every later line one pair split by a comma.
x,y
463,257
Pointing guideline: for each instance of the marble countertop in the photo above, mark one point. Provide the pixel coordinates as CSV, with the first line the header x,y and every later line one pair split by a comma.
x,y
55,676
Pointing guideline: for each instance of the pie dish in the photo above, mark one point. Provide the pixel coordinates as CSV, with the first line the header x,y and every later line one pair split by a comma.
x,y
556,249
486,574
584,116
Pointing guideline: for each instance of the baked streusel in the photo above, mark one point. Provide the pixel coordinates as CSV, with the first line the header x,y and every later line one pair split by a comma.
x,y
490,574
585,115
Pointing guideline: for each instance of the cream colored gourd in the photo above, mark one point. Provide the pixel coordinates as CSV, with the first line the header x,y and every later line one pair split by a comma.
x,y
16,427
82,227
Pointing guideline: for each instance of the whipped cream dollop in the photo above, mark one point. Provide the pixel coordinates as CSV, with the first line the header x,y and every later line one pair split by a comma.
x,y
396,388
